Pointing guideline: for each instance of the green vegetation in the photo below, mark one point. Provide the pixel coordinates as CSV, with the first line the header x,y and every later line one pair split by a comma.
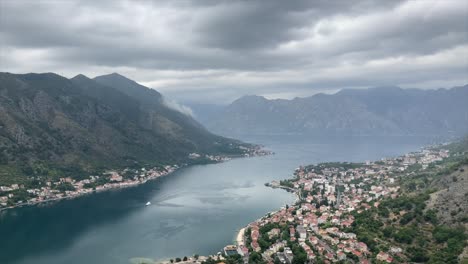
x,y
342,165
54,127
255,257
287,183
412,231
405,221
453,240
65,186
300,256
20,195
367,227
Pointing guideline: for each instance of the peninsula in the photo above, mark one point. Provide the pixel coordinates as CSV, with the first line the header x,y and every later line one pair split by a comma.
x,y
386,211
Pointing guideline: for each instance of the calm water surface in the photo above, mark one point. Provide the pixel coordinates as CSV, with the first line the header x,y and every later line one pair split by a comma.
x,y
195,210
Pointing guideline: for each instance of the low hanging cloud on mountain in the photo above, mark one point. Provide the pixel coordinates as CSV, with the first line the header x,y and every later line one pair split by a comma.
x,y
216,51
178,107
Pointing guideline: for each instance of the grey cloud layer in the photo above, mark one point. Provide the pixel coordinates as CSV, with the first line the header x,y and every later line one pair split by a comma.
x,y
219,50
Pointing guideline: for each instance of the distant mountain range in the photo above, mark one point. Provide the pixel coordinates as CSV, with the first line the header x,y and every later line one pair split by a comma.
x,y
375,111
51,125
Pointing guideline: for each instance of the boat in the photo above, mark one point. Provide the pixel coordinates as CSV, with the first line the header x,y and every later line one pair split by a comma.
x,y
148,203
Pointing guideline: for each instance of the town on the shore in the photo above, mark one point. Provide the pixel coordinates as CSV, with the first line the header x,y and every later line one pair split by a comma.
x,y
42,191
317,227
17,194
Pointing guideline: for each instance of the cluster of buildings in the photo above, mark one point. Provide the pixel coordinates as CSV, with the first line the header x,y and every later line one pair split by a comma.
x,y
255,151
19,194
251,151
52,190
319,222
424,157
214,158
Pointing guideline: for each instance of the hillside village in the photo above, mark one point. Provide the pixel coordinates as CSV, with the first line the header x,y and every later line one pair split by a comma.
x,y
19,194
42,189
321,221
348,213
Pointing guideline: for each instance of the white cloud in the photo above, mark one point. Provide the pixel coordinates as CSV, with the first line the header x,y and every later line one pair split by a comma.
x,y
178,107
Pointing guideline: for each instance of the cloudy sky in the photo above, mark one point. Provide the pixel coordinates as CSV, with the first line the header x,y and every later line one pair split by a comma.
x,y
216,51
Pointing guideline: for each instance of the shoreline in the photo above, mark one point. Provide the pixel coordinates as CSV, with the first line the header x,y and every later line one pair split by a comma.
x,y
113,188
241,233
102,188
240,237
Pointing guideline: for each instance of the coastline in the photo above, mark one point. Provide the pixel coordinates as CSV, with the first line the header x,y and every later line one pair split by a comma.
x,y
240,237
424,157
169,169
241,234
117,187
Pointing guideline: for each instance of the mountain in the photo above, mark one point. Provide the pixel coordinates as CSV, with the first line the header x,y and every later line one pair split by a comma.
x,y
51,125
204,112
375,111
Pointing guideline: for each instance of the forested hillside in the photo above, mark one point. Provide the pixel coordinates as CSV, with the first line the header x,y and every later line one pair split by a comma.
x,y
53,126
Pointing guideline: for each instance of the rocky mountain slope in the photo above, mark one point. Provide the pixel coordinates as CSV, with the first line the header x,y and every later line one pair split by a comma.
x,y
377,111
451,201
54,126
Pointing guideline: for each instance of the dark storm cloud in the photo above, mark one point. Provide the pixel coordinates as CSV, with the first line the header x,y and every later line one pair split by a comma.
x,y
261,24
225,49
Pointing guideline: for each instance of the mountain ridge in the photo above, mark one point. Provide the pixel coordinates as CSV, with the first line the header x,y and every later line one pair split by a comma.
x,y
388,110
51,126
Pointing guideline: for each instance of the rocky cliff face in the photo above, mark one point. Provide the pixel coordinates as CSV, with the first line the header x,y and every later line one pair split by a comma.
x,y
49,124
450,201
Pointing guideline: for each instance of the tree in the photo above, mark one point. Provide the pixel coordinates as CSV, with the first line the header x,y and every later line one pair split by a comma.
x,y
263,243
406,218
404,236
65,186
388,231
418,254
277,261
255,257
431,216
383,211
300,256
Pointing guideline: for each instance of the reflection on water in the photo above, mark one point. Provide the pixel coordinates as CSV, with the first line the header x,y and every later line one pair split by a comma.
x,y
195,210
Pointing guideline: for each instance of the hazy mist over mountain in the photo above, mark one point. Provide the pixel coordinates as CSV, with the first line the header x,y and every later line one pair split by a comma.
x,y
376,111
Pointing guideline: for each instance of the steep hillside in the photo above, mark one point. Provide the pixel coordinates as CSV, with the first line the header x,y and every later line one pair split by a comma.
x,y
427,221
53,126
451,200
158,116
